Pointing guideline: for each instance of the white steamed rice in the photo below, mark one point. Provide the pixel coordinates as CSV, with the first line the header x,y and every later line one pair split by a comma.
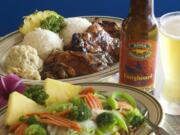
x,y
44,41
74,25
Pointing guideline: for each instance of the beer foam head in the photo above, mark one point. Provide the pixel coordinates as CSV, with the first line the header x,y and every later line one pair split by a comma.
x,y
170,25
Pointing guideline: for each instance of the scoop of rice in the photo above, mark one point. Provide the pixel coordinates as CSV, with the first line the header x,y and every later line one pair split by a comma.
x,y
44,41
74,25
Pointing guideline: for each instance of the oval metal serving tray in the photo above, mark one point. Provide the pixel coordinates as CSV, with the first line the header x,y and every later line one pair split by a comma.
x,y
15,38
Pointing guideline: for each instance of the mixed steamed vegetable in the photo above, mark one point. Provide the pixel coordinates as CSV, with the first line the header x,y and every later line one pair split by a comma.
x,y
59,108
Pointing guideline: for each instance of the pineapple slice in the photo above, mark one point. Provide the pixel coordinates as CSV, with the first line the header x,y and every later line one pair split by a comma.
x,y
19,105
60,91
33,21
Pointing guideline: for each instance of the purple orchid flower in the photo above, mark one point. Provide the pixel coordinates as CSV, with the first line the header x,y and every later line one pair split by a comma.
x,y
9,84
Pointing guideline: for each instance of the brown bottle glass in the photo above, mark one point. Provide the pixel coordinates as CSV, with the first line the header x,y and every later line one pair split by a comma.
x,y
138,48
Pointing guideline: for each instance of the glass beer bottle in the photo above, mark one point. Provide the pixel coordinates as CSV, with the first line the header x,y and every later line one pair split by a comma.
x,y
138,48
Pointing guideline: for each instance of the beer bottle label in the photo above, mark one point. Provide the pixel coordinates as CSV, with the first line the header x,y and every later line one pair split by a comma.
x,y
137,63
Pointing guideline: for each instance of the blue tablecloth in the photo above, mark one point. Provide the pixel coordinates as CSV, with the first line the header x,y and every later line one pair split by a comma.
x,y
11,11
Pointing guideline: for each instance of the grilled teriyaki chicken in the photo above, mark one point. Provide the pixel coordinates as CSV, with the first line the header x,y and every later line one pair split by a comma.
x,y
95,40
64,64
112,28
89,52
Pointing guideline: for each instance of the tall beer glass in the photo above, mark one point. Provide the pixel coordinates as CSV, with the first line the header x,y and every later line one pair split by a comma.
x,y
169,42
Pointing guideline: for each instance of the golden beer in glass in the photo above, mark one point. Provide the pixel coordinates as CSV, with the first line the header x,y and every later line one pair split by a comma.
x,y
169,42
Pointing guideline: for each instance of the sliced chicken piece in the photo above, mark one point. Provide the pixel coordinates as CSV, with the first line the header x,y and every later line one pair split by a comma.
x,y
67,64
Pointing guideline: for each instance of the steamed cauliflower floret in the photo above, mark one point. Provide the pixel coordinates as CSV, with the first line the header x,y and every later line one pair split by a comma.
x,y
24,61
74,25
44,41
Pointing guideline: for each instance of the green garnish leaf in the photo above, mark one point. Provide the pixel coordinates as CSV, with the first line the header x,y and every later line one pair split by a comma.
x,y
53,23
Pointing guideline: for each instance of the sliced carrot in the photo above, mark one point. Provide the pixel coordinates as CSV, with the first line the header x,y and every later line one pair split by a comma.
x,y
87,90
20,130
72,124
59,121
12,128
88,102
63,113
100,106
49,121
47,118
38,113
92,101
98,102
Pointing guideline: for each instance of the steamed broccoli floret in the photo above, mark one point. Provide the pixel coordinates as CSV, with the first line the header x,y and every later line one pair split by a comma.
x,y
80,111
134,118
37,94
35,129
29,120
53,23
106,121
110,122
112,101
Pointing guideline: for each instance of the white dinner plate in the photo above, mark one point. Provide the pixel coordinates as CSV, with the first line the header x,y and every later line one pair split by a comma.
x,y
145,102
